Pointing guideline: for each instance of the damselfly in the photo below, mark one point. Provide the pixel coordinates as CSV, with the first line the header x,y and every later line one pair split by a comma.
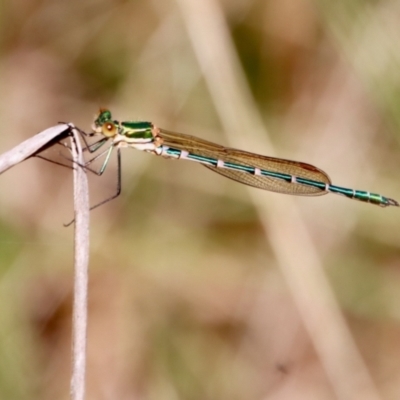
x,y
268,173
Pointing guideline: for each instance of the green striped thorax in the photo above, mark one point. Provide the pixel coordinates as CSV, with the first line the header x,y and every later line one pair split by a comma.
x,y
134,131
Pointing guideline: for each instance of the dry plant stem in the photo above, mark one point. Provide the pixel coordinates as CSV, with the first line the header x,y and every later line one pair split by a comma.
x,y
282,221
81,249
20,153
32,145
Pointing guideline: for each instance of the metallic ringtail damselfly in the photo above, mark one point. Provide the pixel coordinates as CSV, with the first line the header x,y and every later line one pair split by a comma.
x,y
268,173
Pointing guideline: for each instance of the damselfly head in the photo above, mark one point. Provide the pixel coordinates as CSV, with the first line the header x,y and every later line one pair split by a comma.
x,y
109,129
103,116
103,123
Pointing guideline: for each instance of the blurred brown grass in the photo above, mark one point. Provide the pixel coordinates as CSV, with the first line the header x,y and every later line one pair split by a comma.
x,y
189,297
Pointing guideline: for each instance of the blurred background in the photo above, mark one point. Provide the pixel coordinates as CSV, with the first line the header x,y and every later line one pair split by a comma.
x,y
202,288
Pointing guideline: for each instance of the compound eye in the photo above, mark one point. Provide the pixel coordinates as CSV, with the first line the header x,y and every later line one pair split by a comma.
x,y
108,129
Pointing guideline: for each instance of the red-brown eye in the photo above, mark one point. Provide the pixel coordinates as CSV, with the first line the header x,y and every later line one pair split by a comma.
x,y
108,129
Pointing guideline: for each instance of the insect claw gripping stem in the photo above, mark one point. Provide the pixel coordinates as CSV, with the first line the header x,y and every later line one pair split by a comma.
x,y
118,191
